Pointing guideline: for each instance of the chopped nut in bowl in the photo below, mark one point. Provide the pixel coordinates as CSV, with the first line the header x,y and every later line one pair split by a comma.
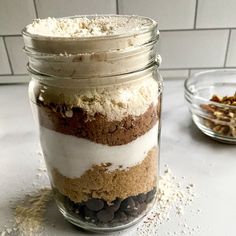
x,y
211,97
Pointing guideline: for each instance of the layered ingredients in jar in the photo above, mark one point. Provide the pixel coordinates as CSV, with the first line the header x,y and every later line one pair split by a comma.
x,y
100,141
101,149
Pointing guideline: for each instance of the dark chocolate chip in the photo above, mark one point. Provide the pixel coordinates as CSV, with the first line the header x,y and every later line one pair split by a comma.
x,y
141,197
141,207
137,209
150,195
112,128
128,124
89,215
132,211
94,204
115,205
127,204
105,215
120,216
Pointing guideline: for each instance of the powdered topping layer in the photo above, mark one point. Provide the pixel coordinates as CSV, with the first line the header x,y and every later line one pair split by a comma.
x,y
114,103
88,27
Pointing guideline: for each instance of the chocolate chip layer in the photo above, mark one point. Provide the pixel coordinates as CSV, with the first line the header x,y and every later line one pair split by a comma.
x,y
99,212
97,129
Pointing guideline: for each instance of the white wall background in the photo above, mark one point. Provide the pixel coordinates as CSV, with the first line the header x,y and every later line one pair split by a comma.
x,y
195,34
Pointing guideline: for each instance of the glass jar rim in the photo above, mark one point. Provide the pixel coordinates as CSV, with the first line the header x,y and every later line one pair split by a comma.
x,y
153,25
49,44
114,54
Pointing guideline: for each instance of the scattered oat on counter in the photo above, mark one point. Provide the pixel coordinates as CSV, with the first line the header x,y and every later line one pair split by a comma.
x,y
29,215
172,197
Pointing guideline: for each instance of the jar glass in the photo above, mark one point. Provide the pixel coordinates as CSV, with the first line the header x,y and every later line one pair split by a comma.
x,y
98,108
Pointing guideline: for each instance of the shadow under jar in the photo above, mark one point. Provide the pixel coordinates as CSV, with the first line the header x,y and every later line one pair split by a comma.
x,y
97,100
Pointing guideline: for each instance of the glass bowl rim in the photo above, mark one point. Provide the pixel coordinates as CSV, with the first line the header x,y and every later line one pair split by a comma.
x,y
190,94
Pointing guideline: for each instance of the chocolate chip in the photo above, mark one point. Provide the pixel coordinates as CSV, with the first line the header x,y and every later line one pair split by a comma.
x,y
105,215
150,195
133,211
88,214
128,124
134,206
94,204
141,197
112,128
120,216
115,205
141,207
127,205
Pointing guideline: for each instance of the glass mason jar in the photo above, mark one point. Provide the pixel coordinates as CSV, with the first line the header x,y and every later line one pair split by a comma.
x,y
97,101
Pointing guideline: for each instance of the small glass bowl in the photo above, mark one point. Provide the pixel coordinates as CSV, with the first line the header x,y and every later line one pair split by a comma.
x,y
214,119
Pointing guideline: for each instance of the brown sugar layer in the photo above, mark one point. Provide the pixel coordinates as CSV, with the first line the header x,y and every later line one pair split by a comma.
x,y
100,183
97,129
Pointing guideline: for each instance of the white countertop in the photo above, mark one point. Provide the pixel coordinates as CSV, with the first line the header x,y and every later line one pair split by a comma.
x,y
210,165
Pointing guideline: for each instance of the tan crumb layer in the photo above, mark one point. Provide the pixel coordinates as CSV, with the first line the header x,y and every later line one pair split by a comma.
x,y
98,129
99,183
